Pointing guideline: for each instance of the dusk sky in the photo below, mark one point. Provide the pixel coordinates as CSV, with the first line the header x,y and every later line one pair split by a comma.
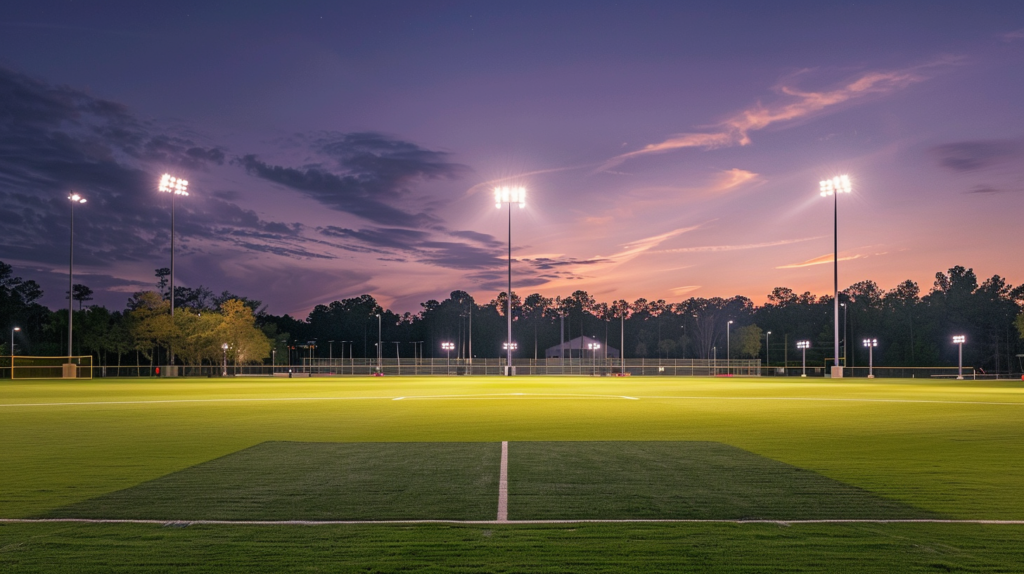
x,y
669,149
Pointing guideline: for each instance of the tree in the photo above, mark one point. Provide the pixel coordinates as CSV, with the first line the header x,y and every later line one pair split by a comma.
x,y
246,343
747,341
80,293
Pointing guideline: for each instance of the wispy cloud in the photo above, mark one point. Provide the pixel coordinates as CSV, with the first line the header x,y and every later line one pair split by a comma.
x,y
713,248
1013,36
684,289
819,261
736,129
975,155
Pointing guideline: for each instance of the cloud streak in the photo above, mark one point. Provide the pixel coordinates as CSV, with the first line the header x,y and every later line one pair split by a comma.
x,y
736,129
819,261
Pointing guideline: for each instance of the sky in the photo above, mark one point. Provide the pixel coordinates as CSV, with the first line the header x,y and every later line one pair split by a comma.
x,y
669,149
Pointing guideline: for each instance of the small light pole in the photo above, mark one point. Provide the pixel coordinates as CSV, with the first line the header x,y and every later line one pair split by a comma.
x,y
593,353
380,343
75,199
846,337
509,348
871,344
12,350
330,353
398,357
225,348
767,356
351,351
273,359
447,347
960,340
728,350
803,345
714,355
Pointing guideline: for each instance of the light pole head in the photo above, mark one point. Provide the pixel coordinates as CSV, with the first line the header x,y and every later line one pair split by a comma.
x,y
447,346
506,346
870,342
75,198
769,332
803,344
959,339
224,346
175,185
16,329
506,194
838,184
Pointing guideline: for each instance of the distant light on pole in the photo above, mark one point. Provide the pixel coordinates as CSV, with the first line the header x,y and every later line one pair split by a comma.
x,y
225,348
593,352
871,344
728,350
12,350
803,346
509,195
767,355
960,340
448,349
833,187
380,342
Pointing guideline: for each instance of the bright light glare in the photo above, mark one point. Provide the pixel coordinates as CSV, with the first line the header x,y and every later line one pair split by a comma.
x,y
173,185
838,184
870,342
514,346
447,346
959,339
803,344
593,346
507,194
76,198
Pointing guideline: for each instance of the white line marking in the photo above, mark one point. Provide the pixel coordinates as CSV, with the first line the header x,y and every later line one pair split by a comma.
x,y
630,398
830,399
170,401
513,522
503,484
397,398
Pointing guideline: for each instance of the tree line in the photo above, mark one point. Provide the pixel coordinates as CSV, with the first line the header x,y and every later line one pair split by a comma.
x,y
912,328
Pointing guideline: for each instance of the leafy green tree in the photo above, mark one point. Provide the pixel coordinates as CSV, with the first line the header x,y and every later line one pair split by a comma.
x,y
747,341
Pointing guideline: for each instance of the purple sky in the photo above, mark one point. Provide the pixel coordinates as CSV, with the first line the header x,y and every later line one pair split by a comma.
x,y
669,149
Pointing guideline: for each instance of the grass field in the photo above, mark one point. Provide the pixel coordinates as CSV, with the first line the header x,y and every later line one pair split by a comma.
x,y
405,448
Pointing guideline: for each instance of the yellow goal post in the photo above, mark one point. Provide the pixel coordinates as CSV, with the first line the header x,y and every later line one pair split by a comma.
x,y
27,367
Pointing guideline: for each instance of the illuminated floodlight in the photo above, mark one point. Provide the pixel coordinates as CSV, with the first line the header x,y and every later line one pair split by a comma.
x,y
838,184
447,346
175,185
870,342
75,198
960,340
803,346
506,346
957,339
506,194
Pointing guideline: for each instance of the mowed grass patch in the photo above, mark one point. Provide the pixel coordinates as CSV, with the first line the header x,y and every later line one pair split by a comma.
x,y
746,548
317,481
678,480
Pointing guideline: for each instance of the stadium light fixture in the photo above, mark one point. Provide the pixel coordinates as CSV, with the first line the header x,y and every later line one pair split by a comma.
x,y
803,346
174,186
835,186
593,352
75,200
12,350
447,347
509,195
871,344
225,349
728,349
960,340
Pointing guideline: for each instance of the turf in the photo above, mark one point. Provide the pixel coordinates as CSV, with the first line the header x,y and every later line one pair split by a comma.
x,y
678,480
950,448
317,481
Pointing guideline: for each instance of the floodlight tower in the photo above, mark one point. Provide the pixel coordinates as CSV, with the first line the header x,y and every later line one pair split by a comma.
x,y
448,349
509,347
174,186
509,195
767,355
593,352
803,345
960,340
75,200
871,344
13,329
835,186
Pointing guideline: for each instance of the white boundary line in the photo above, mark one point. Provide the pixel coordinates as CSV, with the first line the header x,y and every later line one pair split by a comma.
x,y
503,484
512,522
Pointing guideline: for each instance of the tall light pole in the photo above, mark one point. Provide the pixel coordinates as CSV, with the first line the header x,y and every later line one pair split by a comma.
x,y
593,352
871,344
447,347
75,199
509,347
835,186
622,341
174,186
728,350
960,340
225,364
803,345
509,195
846,336
767,350
12,350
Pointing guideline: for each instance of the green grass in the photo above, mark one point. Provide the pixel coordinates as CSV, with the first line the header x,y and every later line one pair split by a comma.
x,y
677,480
955,449
317,481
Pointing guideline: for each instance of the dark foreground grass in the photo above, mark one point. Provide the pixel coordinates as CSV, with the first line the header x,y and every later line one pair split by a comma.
x,y
689,480
575,548
318,481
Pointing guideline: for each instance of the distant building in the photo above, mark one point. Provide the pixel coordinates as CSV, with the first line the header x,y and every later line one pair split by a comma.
x,y
576,348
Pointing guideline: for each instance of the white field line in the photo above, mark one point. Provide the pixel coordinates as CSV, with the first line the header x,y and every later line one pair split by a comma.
x,y
506,396
513,522
503,484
